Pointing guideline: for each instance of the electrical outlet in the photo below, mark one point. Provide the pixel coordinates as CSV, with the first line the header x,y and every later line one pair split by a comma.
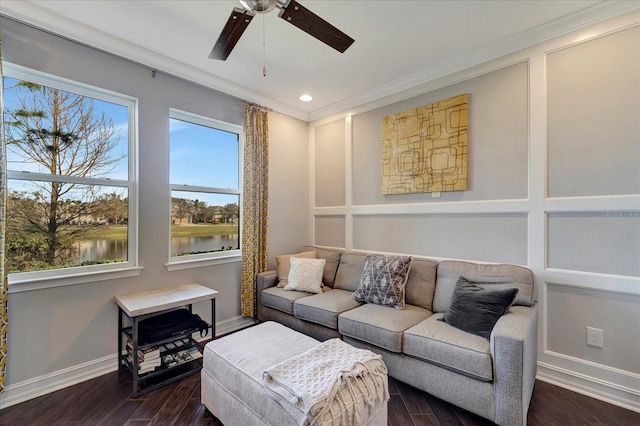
x,y
595,337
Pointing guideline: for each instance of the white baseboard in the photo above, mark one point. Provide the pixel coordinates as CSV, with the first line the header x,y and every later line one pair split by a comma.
x,y
590,386
38,386
233,324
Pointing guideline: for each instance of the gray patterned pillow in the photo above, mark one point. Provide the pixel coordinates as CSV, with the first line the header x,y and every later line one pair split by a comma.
x,y
383,280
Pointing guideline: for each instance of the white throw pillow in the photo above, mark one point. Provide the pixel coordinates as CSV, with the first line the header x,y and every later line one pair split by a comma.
x,y
283,264
305,275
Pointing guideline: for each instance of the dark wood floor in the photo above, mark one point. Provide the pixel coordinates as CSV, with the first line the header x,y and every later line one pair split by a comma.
x,y
107,400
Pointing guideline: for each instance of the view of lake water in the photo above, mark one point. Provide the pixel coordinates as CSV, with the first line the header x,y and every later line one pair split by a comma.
x,y
116,248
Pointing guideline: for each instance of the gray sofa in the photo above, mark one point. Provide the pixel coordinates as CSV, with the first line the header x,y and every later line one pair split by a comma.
x,y
493,378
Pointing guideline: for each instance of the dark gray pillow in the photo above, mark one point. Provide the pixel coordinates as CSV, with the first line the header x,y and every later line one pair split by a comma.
x,y
383,280
476,310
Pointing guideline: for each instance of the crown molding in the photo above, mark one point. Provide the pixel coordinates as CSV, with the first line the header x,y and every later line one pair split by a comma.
x,y
33,15
378,97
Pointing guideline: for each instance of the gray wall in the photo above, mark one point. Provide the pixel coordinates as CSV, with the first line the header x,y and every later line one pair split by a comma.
x,y
594,128
481,237
329,231
593,107
584,241
498,140
498,170
554,184
73,327
571,307
329,164
288,185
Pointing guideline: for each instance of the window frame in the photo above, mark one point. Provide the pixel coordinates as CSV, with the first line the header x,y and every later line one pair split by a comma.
x,y
33,280
214,257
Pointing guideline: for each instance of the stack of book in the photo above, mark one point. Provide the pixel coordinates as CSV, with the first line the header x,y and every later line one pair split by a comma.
x,y
180,357
148,358
176,344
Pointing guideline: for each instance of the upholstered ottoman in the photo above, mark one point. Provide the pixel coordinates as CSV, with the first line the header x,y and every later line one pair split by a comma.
x,y
233,384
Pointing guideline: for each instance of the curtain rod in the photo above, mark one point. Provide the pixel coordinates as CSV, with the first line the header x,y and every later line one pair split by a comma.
x,y
253,104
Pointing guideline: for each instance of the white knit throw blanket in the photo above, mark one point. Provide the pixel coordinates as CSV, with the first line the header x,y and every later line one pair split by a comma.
x,y
307,385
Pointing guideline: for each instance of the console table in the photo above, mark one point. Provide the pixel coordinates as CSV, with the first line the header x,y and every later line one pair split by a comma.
x,y
146,304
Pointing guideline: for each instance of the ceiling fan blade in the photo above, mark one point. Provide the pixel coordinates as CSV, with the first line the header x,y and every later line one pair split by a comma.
x,y
298,15
233,29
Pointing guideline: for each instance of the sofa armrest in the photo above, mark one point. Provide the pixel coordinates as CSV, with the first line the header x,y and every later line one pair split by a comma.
x,y
264,280
514,351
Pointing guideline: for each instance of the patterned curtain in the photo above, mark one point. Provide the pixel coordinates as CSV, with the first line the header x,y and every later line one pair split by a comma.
x,y
4,289
254,205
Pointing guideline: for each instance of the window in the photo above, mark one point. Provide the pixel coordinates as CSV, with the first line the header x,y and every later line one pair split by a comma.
x,y
70,176
205,180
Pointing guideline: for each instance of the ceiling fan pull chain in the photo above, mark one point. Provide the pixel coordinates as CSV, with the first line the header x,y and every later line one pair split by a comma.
x,y
264,49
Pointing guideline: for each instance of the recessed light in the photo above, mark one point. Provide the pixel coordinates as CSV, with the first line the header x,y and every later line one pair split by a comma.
x,y
306,98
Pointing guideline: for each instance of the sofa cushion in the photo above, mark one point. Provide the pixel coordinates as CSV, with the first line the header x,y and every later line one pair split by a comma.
x,y
380,325
349,271
476,310
305,275
333,259
280,299
383,280
439,343
486,276
421,283
324,308
283,265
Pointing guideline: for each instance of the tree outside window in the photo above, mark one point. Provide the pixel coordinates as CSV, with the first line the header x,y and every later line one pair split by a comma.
x,y
205,181
68,184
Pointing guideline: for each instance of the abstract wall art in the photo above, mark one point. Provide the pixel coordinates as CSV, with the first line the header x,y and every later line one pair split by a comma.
x,y
424,149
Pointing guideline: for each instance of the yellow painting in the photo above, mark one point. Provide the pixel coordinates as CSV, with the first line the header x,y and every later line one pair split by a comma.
x,y
424,149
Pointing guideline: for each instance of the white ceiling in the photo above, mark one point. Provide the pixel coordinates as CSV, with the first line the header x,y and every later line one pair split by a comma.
x,y
398,44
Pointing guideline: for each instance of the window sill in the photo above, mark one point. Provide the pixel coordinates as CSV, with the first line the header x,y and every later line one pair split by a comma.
x,y
198,263
30,283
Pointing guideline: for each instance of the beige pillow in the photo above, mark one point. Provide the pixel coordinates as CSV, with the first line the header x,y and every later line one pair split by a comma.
x,y
305,275
282,265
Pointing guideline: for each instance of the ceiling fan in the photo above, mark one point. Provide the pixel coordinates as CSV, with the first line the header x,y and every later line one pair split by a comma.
x,y
291,11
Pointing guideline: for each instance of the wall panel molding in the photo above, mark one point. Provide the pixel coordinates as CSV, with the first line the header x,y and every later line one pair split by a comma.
x,y
604,204
605,382
455,207
592,281
586,376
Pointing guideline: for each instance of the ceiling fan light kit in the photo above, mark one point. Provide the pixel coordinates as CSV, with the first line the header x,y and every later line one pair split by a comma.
x,y
291,11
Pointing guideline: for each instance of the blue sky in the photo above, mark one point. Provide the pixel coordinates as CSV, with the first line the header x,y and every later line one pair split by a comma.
x,y
203,156
200,155
117,113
